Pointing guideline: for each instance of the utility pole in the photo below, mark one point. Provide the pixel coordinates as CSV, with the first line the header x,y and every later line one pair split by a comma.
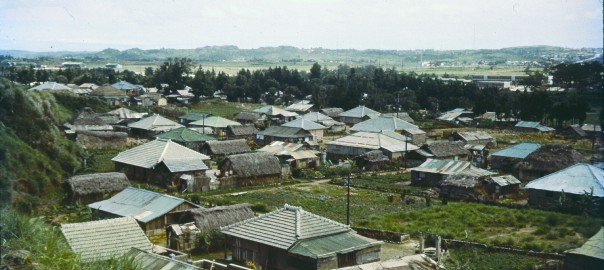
x,y
348,201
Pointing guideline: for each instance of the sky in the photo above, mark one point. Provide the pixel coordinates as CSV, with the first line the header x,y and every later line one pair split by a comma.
x,y
93,25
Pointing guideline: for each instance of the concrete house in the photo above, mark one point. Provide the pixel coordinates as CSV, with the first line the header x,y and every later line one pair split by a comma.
x,y
313,128
574,181
103,239
161,162
357,115
291,238
149,208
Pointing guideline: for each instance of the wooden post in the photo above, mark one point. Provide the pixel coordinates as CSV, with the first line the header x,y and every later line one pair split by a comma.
x,y
438,248
421,242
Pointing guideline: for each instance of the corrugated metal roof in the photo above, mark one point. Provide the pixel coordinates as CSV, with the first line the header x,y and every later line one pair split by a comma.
x,y
299,107
50,86
382,123
143,205
331,245
194,116
275,111
317,117
155,122
593,247
284,227
374,141
505,180
576,179
528,124
520,150
152,261
446,166
124,85
285,132
175,156
185,135
102,239
304,124
359,112
215,122
475,135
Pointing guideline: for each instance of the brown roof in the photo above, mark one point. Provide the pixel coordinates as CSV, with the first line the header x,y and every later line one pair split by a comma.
x,y
213,218
98,183
446,149
551,158
252,164
227,147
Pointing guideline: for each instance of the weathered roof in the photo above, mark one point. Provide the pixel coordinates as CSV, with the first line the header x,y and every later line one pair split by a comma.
x,y
175,156
450,116
124,85
228,147
207,219
359,112
371,140
299,107
184,135
285,132
505,180
124,113
382,123
151,261
50,86
520,150
401,115
576,179
445,166
304,124
103,239
143,205
373,156
446,149
107,90
87,119
591,128
98,183
284,227
155,122
332,112
215,122
241,130
574,130
252,164
461,180
194,116
330,245
593,247
477,135
275,111
535,125
316,117
248,115
550,158
294,150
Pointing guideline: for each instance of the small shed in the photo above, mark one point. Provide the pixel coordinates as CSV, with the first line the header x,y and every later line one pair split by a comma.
x,y
463,187
502,187
249,169
372,160
93,187
506,158
447,150
548,159
225,148
241,132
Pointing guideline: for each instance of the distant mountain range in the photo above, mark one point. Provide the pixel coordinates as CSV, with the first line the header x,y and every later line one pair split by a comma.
x,y
293,54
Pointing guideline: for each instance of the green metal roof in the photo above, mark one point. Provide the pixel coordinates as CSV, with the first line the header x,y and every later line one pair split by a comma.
x,y
331,245
382,123
594,247
185,135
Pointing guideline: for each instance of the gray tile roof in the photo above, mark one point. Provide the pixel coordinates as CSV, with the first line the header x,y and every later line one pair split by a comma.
x,y
304,124
102,239
275,111
520,150
284,227
374,141
124,113
143,205
175,156
155,122
359,112
576,179
446,166
151,261
382,123
316,117
215,122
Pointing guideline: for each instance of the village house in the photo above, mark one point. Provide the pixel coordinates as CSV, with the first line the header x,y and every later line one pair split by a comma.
x,y
502,187
463,187
547,159
151,126
216,123
105,239
284,134
51,86
219,149
87,119
444,150
331,124
589,256
192,117
129,88
573,132
257,119
89,188
301,107
592,130
241,132
256,168
293,154
161,162
198,221
477,137
313,128
109,94
127,116
570,183
149,208
457,115
505,159
433,171
186,137
372,161
277,115
535,127
292,238
357,115
332,112
88,86
401,115
390,123
348,147
96,130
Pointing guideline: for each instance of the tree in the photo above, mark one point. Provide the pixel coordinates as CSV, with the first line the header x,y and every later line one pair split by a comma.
x,y
315,71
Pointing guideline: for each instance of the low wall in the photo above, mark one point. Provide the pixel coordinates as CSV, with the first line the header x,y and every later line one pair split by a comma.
x,y
387,236
545,255
102,139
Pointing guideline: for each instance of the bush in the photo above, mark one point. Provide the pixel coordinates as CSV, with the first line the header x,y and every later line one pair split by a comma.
x,y
260,208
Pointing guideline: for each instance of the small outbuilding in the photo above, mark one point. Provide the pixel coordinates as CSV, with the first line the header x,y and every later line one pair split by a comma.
x,y
247,169
241,132
433,171
93,187
225,148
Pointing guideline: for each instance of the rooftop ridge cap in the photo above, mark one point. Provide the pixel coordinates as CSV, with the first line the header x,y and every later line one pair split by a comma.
x,y
253,219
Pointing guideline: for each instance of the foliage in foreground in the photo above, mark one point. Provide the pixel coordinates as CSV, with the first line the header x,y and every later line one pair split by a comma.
x,y
46,244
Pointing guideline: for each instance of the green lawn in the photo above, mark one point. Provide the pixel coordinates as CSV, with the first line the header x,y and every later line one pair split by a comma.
x,y
223,108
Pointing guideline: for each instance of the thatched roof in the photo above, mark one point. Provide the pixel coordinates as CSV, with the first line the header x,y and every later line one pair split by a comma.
x,y
228,147
207,219
252,164
373,156
446,149
551,158
248,116
107,90
241,130
98,183
104,134
461,180
88,117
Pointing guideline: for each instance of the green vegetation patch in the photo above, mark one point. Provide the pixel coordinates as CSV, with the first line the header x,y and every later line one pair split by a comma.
x,y
479,259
